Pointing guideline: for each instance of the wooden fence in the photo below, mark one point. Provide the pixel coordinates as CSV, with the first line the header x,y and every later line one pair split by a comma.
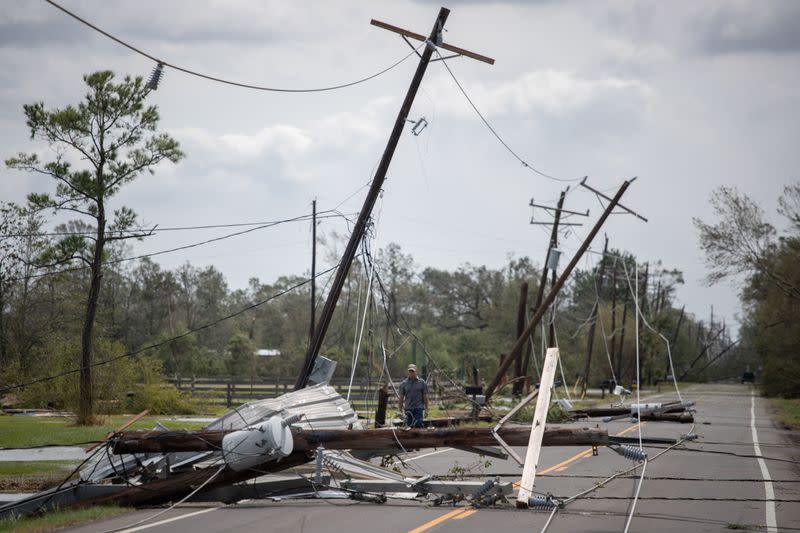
x,y
227,392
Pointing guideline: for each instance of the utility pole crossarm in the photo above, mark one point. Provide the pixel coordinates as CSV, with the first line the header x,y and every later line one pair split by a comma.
x,y
554,209
601,195
418,37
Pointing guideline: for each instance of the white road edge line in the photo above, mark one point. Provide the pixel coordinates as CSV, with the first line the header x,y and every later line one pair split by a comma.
x,y
772,525
167,520
426,455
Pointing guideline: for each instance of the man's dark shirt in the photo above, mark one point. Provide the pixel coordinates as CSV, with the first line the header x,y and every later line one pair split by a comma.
x,y
413,391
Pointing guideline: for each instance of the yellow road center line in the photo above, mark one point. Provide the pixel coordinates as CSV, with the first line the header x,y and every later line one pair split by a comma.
x,y
460,514
436,521
465,514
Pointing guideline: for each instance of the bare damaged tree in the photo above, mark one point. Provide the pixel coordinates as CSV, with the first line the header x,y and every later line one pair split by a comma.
x,y
742,242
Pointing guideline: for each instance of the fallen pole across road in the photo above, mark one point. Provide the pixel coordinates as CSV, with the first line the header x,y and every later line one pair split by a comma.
x,y
366,439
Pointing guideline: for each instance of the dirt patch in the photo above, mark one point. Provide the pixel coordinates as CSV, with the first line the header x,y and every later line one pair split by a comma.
x,y
31,482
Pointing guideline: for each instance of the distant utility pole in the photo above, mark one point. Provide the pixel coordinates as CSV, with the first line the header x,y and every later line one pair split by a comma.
x,y
313,268
587,363
432,42
555,212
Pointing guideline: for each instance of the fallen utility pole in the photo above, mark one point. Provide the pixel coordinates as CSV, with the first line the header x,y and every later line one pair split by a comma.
x,y
706,346
516,350
673,407
354,439
434,40
720,354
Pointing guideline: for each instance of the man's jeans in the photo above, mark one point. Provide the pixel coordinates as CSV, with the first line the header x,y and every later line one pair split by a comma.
x,y
414,418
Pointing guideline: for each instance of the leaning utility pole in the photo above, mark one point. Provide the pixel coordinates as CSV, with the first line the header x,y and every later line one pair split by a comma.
x,y
313,268
431,42
587,363
516,350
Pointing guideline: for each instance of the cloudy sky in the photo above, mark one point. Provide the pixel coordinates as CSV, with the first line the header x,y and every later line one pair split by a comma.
x,y
687,96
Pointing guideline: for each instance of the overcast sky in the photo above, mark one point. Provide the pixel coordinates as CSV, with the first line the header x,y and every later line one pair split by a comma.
x,y
687,96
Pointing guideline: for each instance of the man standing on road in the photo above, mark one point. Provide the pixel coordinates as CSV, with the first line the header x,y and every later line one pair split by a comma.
x,y
413,397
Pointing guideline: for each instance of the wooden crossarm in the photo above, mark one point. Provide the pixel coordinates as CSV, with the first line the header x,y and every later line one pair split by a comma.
x,y
418,37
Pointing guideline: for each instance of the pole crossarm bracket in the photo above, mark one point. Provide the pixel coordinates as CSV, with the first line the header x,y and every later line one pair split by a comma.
x,y
455,49
606,198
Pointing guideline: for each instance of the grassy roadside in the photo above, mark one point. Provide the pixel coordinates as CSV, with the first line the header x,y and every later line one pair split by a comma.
x,y
58,519
788,412
24,431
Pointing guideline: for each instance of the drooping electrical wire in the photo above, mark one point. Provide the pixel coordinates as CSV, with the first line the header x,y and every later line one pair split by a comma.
x,y
163,63
646,323
494,131
167,251
330,213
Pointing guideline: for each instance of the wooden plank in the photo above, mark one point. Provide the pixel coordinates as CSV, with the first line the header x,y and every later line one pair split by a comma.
x,y
537,428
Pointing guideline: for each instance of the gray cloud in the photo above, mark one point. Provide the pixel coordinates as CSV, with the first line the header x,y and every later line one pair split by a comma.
x,y
759,27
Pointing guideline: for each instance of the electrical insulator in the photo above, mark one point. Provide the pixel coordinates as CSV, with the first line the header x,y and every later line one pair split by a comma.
x,y
483,489
155,77
332,465
292,419
629,452
542,503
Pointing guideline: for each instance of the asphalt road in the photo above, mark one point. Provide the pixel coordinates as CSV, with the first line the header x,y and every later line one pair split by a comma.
x,y
683,489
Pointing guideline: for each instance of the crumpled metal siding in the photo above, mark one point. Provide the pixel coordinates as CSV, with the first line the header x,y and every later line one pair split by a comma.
x,y
321,406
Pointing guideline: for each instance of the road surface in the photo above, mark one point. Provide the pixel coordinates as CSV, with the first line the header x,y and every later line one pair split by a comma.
x,y
683,489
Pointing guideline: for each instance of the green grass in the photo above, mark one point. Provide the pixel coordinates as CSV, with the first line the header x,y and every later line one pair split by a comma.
x,y
788,411
24,431
58,519
27,468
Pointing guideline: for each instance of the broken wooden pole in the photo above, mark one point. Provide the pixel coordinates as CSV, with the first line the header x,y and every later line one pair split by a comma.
x,y
538,428
360,439
383,401
516,350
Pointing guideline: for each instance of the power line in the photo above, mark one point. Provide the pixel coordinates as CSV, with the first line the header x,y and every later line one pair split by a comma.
x,y
172,339
156,229
494,132
170,250
222,80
